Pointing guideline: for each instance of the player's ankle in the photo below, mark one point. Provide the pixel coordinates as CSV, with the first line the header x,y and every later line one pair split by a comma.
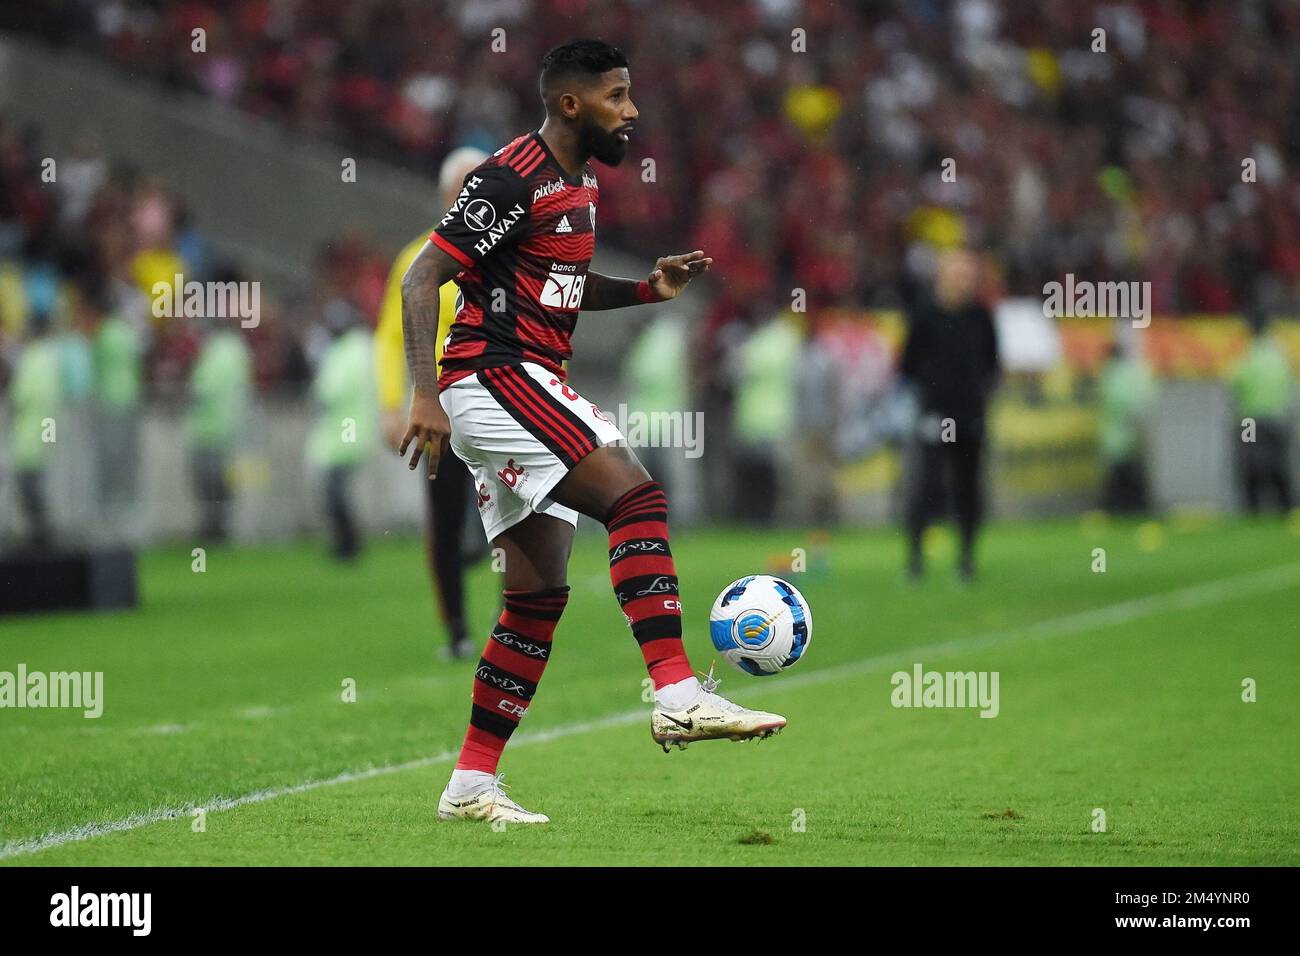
x,y
466,783
679,695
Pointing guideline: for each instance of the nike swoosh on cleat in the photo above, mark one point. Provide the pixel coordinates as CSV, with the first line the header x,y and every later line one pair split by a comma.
x,y
688,725
462,804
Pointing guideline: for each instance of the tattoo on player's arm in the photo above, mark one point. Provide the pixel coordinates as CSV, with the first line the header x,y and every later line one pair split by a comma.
x,y
605,292
420,304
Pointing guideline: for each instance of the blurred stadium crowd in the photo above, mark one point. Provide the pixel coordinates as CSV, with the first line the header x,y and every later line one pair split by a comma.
x,y
808,155
93,243
820,169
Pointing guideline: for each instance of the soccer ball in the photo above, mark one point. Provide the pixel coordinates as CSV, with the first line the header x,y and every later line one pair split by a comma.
x,y
761,625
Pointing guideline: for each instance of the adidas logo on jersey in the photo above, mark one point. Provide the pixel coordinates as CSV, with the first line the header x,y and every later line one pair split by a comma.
x,y
564,225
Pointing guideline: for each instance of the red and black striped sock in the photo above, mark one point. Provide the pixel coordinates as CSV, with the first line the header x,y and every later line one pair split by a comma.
x,y
645,580
508,672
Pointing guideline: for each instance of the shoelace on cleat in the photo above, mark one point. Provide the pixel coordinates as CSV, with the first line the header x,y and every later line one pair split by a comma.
x,y
710,684
498,789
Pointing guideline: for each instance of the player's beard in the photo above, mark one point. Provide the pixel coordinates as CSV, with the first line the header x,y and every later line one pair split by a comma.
x,y
602,145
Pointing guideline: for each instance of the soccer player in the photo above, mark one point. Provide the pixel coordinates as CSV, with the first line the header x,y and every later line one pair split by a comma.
x,y
448,498
519,240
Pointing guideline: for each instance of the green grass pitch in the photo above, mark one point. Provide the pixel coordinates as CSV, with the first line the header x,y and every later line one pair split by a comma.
x,y
1119,691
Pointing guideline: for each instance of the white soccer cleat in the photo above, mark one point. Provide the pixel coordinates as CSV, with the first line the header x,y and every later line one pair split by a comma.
x,y
490,804
711,717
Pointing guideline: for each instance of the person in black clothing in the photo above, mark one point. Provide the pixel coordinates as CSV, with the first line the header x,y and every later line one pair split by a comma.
x,y
951,360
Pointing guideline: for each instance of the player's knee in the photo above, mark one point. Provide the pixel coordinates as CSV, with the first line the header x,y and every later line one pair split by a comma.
x,y
635,497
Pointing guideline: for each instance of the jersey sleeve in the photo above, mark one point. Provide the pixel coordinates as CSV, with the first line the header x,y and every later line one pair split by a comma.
x,y
491,211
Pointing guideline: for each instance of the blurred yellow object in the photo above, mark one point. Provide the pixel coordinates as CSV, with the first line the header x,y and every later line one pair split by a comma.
x,y
390,352
1150,536
150,266
1044,69
13,301
937,226
814,109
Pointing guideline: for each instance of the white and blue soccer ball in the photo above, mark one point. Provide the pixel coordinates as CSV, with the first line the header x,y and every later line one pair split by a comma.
x,y
761,625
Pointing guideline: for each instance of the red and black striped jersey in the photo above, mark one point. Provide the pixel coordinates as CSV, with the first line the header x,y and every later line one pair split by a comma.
x,y
525,232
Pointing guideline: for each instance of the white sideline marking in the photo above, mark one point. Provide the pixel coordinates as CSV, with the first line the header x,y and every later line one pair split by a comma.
x,y
1198,595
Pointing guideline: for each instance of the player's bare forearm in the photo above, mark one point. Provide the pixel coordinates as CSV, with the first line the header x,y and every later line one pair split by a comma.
x,y
667,280
607,292
428,427
420,303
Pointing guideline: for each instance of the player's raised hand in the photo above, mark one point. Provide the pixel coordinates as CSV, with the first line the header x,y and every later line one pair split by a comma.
x,y
429,427
672,273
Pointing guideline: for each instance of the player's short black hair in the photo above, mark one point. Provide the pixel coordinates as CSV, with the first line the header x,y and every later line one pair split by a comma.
x,y
579,58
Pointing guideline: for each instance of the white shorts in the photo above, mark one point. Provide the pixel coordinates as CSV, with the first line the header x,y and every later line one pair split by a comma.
x,y
520,430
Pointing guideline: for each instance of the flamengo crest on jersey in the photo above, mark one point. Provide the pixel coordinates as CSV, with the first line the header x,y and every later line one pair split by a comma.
x,y
524,231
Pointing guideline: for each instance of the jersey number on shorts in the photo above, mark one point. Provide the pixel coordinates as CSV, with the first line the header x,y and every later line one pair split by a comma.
x,y
567,392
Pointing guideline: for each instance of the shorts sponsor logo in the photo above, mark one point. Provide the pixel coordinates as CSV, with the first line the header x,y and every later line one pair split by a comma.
x,y
483,496
511,473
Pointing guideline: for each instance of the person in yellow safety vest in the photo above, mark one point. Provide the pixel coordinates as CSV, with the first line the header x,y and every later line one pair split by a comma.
x,y
35,396
448,497
1263,387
